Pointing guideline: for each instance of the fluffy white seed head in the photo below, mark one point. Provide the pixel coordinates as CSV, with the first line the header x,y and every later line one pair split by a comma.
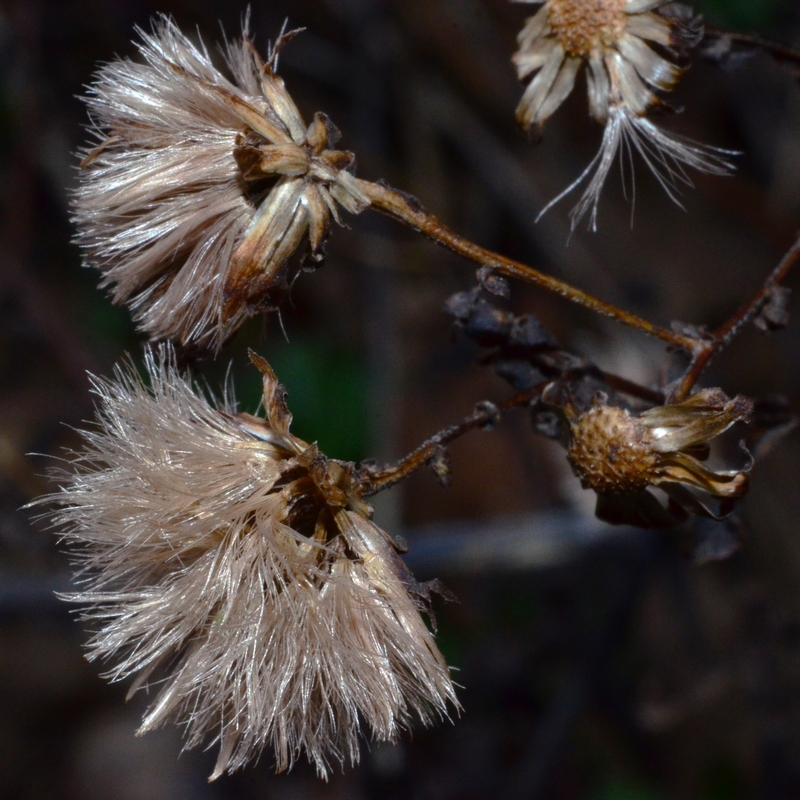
x,y
199,187
234,570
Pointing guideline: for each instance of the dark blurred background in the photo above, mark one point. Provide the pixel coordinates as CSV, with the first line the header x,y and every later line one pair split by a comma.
x,y
596,663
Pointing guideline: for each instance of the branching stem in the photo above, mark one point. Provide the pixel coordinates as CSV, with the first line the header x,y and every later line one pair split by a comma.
x,y
410,212
375,479
725,334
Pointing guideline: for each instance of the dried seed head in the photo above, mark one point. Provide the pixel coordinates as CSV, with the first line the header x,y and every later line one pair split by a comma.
x,y
625,77
584,26
200,188
616,454
612,452
236,567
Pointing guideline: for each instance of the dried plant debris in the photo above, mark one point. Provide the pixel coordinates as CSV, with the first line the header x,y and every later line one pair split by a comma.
x,y
523,351
774,417
774,313
731,50
716,540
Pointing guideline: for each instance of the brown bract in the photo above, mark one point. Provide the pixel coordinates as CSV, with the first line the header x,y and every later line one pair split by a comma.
x,y
201,187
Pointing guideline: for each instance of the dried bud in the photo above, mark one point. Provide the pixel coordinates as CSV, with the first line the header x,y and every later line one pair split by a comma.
x,y
774,314
616,453
200,188
235,567
624,77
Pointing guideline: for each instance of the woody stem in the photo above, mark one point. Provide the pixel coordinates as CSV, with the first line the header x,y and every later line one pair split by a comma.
x,y
410,212
725,334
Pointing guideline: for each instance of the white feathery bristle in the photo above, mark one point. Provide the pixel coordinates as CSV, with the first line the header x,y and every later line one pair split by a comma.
x,y
255,633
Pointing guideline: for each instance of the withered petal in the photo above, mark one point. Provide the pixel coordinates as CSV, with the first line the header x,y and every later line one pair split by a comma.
x,y
317,136
319,221
687,499
281,101
681,468
695,421
256,118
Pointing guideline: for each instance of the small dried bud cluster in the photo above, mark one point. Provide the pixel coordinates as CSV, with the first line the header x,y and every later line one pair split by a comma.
x,y
625,74
200,188
616,453
237,567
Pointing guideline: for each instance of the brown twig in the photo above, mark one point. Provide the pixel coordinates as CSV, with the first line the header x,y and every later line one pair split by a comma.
x,y
723,335
409,211
782,53
372,480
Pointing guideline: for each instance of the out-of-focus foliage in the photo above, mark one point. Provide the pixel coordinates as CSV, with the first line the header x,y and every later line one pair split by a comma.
x,y
742,14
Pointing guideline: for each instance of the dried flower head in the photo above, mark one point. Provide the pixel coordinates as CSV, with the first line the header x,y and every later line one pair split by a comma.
x,y
620,455
625,74
201,188
235,567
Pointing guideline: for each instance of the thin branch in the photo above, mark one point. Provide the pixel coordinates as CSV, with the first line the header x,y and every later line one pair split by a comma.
x,y
781,53
410,212
375,479
725,334
372,480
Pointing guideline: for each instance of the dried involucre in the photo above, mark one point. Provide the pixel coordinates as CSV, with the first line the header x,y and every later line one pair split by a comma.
x,y
620,456
236,567
615,39
201,188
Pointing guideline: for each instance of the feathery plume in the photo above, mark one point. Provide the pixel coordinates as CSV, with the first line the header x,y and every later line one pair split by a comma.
x,y
201,188
235,567
615,39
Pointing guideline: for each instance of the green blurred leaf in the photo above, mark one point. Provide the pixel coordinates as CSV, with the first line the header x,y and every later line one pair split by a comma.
x,y
328,392
752,16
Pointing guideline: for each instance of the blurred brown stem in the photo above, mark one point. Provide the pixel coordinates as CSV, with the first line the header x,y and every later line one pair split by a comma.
x,y
782,53
725,334
409,211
